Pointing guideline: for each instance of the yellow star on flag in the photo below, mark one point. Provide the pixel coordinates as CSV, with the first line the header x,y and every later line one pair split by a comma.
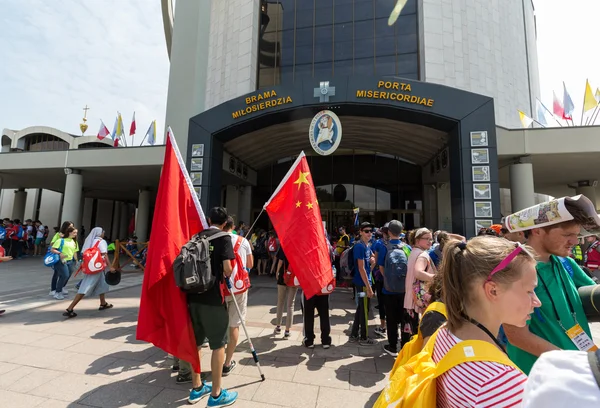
x,y
298,204
302,179
309,205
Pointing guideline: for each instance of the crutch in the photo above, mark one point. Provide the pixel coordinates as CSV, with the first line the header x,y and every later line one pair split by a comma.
x,y
252,350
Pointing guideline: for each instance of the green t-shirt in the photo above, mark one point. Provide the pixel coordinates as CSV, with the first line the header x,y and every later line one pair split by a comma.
x,y
543,322
54,238
69,248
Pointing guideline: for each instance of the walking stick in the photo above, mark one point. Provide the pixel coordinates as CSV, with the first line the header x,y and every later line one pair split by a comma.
x,y
252,350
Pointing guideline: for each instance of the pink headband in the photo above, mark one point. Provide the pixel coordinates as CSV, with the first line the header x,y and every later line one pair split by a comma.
x,y
505,261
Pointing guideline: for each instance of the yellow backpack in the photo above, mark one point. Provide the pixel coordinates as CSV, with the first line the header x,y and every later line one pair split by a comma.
x,y
413,384
415,344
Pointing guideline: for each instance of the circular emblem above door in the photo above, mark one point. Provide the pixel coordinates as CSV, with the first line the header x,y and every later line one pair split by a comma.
x,y
325,132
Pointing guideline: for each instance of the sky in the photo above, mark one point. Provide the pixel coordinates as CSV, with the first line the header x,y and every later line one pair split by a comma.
x,y
58,56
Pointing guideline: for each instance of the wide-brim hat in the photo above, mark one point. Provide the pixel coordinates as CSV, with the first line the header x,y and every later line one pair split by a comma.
x,y
113,278
554,212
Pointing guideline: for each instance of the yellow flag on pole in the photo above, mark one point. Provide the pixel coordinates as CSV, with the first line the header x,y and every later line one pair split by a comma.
x,y
526,121
589,101
597,95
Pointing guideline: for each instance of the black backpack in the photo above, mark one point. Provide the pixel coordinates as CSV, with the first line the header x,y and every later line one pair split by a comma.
x,y
191,268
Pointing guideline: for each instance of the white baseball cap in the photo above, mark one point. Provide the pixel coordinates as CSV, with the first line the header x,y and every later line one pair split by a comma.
x,y
564,379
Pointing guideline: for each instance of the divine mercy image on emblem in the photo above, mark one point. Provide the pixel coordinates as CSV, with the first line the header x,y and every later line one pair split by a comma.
x,y
198,150
480,156
482,191
479,224
325,132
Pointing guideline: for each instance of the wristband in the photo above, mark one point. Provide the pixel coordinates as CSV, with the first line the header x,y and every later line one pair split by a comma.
x,y
246,269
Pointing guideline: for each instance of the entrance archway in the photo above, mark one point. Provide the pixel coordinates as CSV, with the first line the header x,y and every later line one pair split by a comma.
x,y
421,123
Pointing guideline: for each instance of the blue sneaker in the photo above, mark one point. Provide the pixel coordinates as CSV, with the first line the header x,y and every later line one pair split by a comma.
x,y
224,400
196,395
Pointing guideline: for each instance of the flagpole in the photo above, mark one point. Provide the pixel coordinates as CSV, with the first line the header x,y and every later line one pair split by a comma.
x,y
144,139
597,111
551,114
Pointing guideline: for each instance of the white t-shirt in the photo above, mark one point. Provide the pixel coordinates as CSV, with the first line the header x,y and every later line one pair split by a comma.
x,y
244,250
40,232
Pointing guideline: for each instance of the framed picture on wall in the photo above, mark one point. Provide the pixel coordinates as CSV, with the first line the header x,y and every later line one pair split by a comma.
x,y
198,191
198,150
197,164
483,209
479,224
481,173
480,156
479,138
482,191
196,178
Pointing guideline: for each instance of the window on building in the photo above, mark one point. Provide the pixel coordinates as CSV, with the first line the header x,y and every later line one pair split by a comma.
x,y
302,39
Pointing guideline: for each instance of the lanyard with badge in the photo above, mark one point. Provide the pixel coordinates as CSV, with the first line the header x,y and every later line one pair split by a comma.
x,y
576,333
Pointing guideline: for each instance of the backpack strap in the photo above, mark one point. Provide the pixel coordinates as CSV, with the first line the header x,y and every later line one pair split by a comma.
x,y
436,307
472,350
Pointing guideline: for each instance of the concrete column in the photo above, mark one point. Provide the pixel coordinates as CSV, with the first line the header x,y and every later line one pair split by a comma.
x,y
19,202
72,197
143,216
116,221
521,186
232,202
123,220
589,192
189,66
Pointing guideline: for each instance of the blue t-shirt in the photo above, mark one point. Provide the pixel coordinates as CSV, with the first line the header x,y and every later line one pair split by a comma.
x,y
361,251
381,260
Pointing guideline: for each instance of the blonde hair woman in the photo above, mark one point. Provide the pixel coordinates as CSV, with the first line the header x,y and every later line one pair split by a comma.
x,y
485,283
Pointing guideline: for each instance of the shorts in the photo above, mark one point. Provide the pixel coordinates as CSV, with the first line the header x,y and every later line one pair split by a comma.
x,y
38,241
211,323
234,317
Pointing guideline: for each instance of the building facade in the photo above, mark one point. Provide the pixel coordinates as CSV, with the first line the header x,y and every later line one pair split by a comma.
x,y
249,49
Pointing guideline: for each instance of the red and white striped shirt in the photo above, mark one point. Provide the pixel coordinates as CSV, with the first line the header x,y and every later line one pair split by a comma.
x,y
476,384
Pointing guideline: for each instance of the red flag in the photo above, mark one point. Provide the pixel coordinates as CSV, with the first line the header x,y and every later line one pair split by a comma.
x,y
103,131
116,141
296,217
557,106
132,128
163,317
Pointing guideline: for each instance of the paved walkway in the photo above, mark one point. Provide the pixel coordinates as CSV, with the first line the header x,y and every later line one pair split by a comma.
x,y
94,360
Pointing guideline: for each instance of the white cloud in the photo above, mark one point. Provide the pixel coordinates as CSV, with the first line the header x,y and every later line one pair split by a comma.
x,y
59,55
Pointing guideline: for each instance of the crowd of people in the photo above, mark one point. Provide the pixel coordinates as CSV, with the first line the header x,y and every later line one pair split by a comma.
x,y
507,300
20,239
508,297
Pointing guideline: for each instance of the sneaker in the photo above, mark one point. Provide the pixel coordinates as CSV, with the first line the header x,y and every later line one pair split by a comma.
x,y
380,331
388,349
175,368
308,344
52,293
366,342
184,379
58,296
226,399
353,339
198,393
326,346
65,292
278,330
286,334
228,370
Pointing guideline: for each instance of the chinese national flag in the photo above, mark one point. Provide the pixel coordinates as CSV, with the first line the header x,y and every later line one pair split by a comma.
x,y
163,317
296,217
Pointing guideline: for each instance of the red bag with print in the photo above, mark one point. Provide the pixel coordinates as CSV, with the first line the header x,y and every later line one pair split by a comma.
x,y
241,279
93,261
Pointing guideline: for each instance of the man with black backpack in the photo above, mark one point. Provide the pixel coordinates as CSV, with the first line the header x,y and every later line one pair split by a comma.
x,y
208,310
393,259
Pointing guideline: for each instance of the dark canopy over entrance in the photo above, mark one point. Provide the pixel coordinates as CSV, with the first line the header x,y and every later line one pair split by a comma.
x,y
389,114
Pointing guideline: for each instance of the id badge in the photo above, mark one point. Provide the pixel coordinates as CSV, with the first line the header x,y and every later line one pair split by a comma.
x,y
580,338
